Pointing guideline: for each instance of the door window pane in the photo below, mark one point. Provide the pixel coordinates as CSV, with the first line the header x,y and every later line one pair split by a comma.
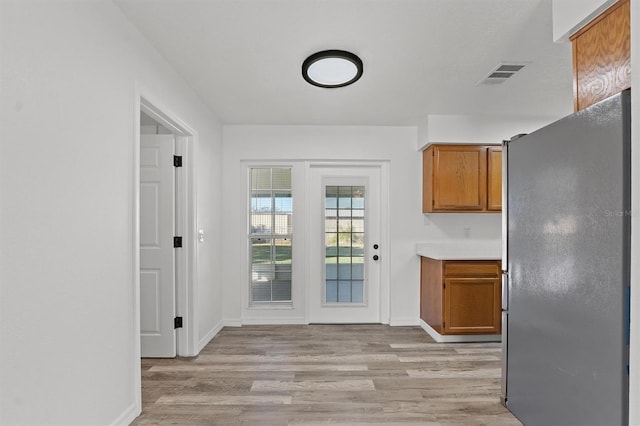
x,y
344,271
344,292
332,291
344,244
357,271
357,291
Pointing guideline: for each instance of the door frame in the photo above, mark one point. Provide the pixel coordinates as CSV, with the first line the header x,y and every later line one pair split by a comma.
x,y
186,139
385,250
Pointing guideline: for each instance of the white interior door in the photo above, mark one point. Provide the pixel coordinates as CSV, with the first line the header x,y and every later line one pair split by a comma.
x,y
345,252
157,258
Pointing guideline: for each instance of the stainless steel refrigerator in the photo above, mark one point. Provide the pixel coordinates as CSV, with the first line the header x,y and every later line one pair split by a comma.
x,y
566,244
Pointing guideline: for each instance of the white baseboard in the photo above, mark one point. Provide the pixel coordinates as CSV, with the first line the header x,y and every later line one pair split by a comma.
x,y
395,322
128,416
210,335
232,322
275,321
403,322
460,338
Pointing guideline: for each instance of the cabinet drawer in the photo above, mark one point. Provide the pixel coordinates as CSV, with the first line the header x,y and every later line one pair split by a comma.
x,y
470,268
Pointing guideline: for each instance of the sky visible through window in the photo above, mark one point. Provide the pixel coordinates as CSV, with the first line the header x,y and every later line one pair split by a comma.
x,y
263,204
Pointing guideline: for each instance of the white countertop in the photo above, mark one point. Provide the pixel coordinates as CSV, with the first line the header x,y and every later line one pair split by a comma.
x,y
461,250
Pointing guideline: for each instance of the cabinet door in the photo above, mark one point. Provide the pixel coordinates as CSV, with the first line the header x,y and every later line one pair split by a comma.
x,y
428,156
494,179
602,56
471,306
459,177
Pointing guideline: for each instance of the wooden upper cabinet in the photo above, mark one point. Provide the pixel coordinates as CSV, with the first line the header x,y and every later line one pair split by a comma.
x,y
461,178
459,174
602,56
494,178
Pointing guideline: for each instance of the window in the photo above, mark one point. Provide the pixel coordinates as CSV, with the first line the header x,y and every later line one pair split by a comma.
x,y
270,235
344,244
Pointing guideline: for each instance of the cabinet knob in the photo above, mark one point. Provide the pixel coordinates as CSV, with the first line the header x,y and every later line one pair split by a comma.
x,y
376,257
375,247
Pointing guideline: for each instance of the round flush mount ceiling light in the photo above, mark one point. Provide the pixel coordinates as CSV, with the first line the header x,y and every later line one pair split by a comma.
x,y
332,68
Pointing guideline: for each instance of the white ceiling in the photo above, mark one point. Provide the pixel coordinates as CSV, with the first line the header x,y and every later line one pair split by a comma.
x,y
421,57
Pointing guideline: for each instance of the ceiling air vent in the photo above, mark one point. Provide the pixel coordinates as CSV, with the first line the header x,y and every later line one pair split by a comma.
x,y
501,72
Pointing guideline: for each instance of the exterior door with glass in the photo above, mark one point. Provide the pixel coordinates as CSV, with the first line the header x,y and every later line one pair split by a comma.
x,y
345,254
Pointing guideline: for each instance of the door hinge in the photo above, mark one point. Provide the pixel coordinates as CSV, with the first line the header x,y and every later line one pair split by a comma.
x,y
177,322
177,242
177,161
444,285
433,203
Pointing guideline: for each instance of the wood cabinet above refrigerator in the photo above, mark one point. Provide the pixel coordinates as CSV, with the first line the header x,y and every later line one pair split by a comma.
x,y
602,56
462,178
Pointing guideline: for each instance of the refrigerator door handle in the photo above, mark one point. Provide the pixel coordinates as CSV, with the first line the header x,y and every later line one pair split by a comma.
x,y
505,203
505,291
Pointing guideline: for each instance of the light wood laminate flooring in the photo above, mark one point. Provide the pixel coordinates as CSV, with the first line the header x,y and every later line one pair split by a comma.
x,y
326,375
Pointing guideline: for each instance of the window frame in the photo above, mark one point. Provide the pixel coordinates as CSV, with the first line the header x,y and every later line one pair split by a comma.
x,y
272,235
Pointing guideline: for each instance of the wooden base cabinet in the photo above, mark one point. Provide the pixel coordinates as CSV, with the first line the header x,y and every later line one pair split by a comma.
x,y
461,297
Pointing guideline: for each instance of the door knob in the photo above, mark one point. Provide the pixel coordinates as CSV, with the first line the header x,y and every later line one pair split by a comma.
x,y
376,257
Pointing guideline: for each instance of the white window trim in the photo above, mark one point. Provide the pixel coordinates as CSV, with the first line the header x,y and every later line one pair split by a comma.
x,y
297,267
270,236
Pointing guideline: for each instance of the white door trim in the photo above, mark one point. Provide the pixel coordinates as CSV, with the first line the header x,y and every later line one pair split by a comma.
x,y
385,250
186,222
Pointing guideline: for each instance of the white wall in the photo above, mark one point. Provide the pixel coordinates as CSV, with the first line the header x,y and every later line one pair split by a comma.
x,y
69,71
483,129
408,225
571,15
208,295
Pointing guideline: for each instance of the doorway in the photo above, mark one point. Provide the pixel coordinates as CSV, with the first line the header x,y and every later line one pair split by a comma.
x,y
164,293
347,245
